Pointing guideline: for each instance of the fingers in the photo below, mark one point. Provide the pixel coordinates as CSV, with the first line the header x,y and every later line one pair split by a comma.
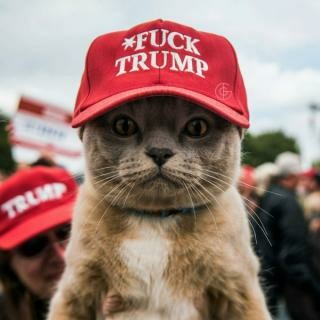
x,y
112,303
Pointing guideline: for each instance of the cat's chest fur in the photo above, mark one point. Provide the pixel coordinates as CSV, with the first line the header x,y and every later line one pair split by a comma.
x,y
146,256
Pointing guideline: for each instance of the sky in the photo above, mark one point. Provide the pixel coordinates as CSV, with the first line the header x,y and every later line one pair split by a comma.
x,y
44,43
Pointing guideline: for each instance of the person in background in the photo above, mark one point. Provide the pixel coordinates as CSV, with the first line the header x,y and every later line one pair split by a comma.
x,y
311,300
246,187
35,212
36,206
312,216
308,183
284,256
46,159
263,175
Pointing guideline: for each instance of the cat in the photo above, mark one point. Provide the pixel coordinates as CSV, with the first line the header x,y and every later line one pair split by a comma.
x,y
159,220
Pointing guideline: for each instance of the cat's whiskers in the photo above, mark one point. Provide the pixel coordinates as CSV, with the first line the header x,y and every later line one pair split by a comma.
x,y
194,213
106,179
190,188
120,193
122,187
102,168
205,200
261,227
256,205
104,182
103,197
213,197
128,193
253,231
105,174
93,210
180,175
93,239
202,197
242,183
139,174
255,216
216,178
116,172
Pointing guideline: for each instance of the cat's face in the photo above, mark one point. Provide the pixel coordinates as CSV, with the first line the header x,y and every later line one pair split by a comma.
x,y
160,153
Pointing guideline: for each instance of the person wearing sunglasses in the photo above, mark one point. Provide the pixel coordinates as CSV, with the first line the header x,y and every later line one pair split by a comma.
x,y
36,207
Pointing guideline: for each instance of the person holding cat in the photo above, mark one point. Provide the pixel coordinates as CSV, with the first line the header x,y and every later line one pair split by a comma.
x,y
161,110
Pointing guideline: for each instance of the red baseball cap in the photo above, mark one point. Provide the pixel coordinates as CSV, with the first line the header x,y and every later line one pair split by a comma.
x,y
162,58
309,173
32,201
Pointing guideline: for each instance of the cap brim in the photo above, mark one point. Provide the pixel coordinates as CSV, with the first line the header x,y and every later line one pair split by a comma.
x,y
35,225
108,103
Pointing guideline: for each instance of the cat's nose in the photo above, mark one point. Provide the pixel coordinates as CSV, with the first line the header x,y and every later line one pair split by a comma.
x,y
159,155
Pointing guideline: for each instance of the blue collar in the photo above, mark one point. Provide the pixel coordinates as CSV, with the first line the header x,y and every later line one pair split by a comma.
x,y
165,213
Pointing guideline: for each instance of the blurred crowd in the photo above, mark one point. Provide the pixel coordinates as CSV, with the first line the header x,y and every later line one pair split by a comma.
x,y
282,201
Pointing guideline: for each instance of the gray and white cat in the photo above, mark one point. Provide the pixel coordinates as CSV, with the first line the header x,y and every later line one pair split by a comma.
x,y
159,220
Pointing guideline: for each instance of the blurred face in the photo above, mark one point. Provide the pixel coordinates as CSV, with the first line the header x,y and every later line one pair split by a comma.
x,y
307,184
290,182
39,262
314,225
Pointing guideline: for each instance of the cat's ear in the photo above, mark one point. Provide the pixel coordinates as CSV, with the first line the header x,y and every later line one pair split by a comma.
x,y
80,132
242,132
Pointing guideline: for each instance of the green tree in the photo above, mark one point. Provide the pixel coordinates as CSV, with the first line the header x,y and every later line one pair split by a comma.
x,y
264,147
7,163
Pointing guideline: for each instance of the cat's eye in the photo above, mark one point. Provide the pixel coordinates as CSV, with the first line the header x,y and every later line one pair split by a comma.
x,y
124,126
196,128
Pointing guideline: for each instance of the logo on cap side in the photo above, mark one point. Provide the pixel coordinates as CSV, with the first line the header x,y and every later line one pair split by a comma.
x,y
223,90
183,56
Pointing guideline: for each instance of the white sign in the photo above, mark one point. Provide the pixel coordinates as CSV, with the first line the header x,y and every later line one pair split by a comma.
x,y
42,127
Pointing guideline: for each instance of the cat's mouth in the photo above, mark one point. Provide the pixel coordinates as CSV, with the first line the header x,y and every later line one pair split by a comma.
x,y
164,213
160,179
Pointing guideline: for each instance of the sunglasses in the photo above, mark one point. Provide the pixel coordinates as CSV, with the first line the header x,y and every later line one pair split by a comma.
x,y
38,244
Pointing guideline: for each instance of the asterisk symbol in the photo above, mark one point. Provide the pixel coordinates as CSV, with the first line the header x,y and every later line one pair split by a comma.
x,y
128,42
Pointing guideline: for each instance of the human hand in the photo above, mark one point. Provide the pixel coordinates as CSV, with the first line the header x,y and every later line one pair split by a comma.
x,y
112,303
